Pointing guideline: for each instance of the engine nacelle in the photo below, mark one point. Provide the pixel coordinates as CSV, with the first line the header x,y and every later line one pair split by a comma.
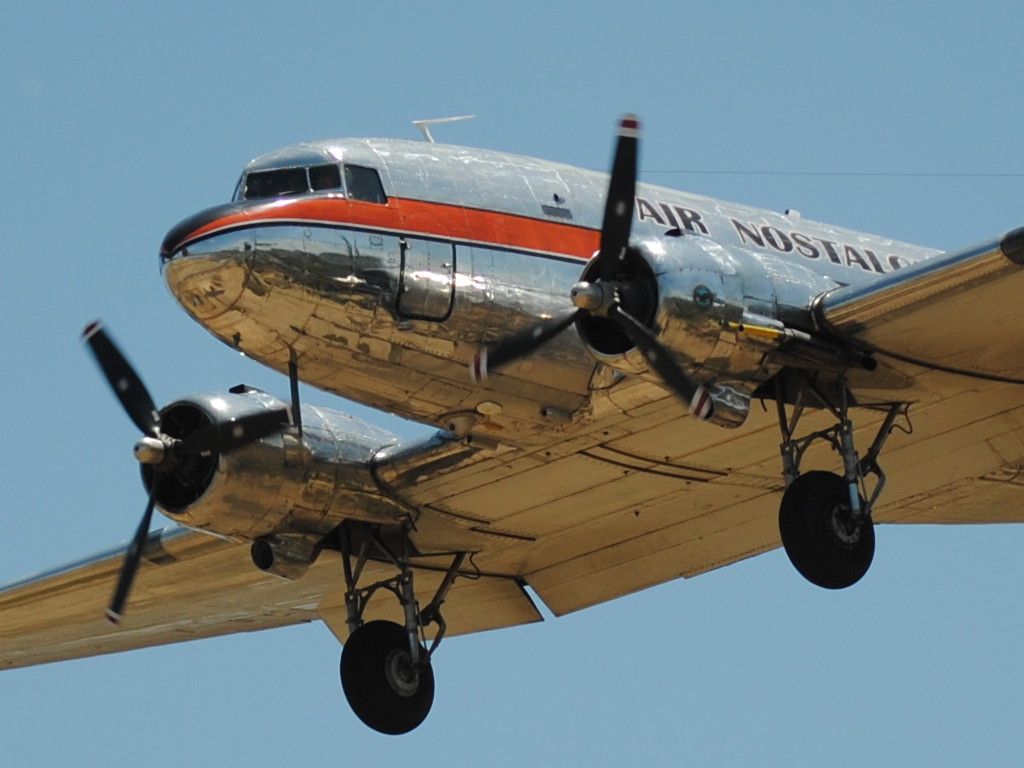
x,y
695,292
284,482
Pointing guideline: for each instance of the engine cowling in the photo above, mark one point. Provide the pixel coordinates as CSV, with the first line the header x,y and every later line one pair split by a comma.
x,y
286,482
693,292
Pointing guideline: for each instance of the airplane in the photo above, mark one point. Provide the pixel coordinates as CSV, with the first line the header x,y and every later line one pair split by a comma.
x,y
630,384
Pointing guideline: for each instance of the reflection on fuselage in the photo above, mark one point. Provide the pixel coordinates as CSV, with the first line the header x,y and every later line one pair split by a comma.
x,y
387,319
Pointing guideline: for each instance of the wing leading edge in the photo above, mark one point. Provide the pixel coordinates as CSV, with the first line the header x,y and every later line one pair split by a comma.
x,y
959,312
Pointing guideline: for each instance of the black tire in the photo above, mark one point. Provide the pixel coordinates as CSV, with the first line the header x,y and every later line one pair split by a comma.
x,y
820,538
378,681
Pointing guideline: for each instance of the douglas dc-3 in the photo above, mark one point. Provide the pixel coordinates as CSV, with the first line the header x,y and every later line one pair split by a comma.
x,y
630,384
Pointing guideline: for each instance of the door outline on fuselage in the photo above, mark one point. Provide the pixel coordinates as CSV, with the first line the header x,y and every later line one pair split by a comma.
x,y
423,299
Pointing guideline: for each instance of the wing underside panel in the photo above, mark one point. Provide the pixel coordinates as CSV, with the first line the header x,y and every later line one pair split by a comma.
x,y
192,585
656,495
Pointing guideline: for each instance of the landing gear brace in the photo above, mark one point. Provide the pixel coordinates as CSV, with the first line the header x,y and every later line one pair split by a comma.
x,y
385,666
825,519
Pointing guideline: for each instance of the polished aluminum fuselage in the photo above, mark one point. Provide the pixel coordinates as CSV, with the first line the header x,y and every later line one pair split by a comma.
x,y
387,304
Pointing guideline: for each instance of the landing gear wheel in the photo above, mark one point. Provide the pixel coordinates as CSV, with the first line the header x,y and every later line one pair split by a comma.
x,y
823,541
380,682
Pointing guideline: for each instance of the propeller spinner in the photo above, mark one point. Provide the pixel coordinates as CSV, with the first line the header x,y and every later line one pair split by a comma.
x,y
163,452
604,296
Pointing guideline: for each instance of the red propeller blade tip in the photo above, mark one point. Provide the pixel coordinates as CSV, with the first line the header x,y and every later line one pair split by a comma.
x,y
629,126
701,405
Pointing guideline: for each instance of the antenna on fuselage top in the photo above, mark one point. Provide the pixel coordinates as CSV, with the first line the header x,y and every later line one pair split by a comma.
x,y
424,125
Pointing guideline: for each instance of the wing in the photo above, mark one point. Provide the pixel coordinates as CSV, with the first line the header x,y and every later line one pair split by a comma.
x,y
959,312
193,585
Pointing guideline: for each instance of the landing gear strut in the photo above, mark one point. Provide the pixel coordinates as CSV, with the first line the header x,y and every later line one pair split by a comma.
x,y
825,518
385,666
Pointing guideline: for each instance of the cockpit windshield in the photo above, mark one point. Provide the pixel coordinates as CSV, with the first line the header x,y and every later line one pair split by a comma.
x,y
323,177
281,181
291,181
361,183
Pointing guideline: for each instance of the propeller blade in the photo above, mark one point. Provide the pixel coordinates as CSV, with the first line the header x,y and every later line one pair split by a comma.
x,y
697,399
232,435
618,207
131,560
127,386
519,344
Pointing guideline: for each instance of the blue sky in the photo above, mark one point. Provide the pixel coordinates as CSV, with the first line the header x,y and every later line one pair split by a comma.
x,y
121,119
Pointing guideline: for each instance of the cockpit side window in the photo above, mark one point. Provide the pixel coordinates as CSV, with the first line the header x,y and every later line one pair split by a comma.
x,y
324,177
364,184
275,183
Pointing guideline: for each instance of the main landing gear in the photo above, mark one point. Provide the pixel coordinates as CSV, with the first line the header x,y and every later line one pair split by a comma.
x,y
385,666
825,518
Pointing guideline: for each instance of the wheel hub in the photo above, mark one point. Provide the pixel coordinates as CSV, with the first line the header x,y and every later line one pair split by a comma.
x,y
401,673
844,528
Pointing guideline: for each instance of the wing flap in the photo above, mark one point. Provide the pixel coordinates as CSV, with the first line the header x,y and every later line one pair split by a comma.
x,y
961,311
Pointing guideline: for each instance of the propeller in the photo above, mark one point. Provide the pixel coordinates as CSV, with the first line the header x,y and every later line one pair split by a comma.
x,y
604,296
162,452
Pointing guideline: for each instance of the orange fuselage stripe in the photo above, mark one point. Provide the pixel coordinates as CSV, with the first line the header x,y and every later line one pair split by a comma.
x,y
450,222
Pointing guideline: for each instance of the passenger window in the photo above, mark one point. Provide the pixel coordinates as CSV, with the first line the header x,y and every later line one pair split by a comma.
x,y
364,184
323,177
283,181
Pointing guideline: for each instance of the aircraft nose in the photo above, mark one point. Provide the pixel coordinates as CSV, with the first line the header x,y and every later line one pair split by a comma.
x,y
208,277
206,264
